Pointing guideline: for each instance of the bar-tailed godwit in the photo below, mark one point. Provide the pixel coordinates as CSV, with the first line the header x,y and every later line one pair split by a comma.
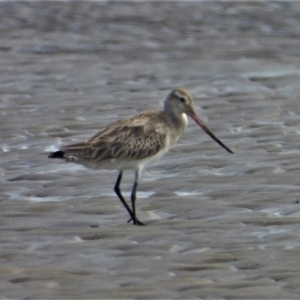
x,y
132,143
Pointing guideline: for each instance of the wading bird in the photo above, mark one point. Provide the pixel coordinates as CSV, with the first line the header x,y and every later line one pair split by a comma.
x,y
132,143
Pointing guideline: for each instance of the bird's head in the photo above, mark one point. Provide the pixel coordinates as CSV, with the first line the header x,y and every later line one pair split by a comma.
x,y
179,102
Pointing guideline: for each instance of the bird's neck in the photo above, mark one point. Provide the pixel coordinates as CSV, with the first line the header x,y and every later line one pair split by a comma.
x,y
178,121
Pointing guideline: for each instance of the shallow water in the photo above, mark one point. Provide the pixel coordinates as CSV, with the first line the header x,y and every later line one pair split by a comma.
x,y
219,226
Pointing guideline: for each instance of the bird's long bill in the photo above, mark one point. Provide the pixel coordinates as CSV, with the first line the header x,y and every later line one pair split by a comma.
x,y
194,116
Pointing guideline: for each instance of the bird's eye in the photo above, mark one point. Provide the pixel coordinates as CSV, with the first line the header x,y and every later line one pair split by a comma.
x,y
182,99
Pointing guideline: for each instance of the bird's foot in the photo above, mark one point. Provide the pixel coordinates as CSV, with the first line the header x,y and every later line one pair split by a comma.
x,y
136,222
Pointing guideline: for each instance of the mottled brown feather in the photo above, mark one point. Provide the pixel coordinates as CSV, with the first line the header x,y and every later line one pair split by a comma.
x,y
134,138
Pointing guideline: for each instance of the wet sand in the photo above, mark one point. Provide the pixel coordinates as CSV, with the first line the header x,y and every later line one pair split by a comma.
x,y
219,226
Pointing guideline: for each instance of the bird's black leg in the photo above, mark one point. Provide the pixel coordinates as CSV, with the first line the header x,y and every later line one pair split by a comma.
x,y
119,194
133,198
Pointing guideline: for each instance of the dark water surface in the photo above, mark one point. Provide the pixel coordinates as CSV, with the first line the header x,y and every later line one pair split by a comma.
x,y
220,226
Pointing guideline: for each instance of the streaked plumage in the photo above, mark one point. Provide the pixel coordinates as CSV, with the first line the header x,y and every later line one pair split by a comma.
x,y
135,142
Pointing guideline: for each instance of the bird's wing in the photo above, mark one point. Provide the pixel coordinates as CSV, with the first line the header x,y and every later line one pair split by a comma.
x,y
134,138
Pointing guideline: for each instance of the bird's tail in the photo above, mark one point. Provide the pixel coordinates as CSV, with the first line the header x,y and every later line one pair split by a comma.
x,y
57,154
